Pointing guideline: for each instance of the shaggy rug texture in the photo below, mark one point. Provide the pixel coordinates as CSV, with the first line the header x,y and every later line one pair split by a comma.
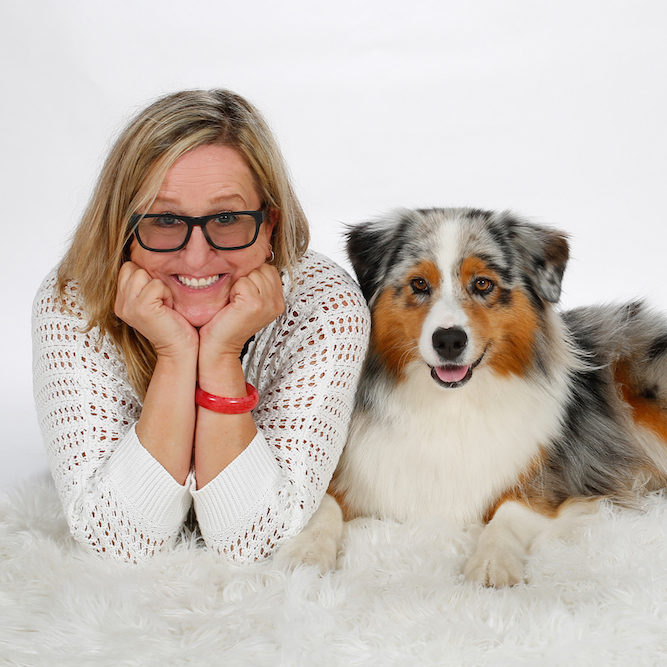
x,y
598,597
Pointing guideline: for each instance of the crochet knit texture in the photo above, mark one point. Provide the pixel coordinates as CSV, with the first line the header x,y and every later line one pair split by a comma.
x,y
120,501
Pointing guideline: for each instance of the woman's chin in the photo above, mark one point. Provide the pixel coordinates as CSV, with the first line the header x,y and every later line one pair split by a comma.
x,y
198,317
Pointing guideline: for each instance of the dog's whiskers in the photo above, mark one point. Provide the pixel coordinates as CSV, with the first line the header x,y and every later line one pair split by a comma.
x,y
411,348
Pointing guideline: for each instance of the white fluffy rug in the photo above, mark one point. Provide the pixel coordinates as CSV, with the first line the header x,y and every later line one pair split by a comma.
x,y
598,598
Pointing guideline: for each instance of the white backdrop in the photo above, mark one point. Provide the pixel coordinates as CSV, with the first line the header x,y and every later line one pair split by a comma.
x,y
554,109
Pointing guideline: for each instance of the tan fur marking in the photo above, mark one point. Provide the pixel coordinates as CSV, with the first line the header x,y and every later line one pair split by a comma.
x,y
428,270
339,497
517,326
510,329
645,412
534,503
525,492
474,267
397,319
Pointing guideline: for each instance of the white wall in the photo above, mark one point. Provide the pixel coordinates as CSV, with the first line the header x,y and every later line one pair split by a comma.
x,y
554,109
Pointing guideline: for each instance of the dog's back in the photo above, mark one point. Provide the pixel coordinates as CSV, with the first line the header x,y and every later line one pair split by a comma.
x,y
627,347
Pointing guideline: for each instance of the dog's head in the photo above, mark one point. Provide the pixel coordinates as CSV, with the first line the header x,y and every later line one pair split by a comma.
x,y
457,288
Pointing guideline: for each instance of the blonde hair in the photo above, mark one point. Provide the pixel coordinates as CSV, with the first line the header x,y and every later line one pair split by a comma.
x,y
130,180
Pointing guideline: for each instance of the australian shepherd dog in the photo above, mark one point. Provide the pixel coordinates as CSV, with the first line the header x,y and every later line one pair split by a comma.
x,y
479,400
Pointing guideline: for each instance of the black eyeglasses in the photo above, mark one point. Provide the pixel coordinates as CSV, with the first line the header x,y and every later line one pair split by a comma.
x,y
164,232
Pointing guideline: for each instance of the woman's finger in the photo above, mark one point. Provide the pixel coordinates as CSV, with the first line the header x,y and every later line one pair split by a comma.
x,y
131,280
267,285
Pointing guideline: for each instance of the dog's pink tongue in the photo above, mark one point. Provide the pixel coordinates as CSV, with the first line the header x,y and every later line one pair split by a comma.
x,y
451,373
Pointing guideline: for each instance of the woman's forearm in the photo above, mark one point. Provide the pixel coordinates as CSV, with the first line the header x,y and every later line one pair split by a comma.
x,y
220,438
167,423
255,300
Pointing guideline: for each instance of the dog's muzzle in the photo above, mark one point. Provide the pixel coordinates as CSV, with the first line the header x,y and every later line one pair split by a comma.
x,y
450,344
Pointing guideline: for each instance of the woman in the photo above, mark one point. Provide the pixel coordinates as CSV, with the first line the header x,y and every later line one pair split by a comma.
x,y
189,351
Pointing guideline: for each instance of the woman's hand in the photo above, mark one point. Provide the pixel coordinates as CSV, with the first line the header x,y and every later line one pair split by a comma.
x,y
146,304
254,301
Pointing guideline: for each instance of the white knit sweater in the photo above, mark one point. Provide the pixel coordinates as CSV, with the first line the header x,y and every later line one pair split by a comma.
x,y
120,501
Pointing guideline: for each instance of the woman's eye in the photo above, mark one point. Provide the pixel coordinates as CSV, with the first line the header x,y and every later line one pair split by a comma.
x,y
483,285
166,221
225,218
419,285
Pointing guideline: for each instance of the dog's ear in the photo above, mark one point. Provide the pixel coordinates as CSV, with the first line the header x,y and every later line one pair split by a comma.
x,y
369,247
365,250
544,253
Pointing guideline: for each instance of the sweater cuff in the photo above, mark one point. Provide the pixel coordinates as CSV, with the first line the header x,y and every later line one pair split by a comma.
x,y
237,489
145,483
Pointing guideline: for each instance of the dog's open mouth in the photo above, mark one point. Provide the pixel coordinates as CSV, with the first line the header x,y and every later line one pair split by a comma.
x,y
454,376
451,376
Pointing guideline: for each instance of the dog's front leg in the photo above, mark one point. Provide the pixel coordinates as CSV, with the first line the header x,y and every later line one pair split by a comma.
x,y
317,544
503,546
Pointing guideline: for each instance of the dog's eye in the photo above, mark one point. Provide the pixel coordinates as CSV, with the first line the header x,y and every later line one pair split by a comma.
x,y
419,285
483,286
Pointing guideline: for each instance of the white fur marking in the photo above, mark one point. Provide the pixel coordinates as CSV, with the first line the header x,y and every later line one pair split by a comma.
x,y
446,312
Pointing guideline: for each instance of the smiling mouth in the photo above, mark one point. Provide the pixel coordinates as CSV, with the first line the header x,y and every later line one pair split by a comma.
x,y
198,283
453,376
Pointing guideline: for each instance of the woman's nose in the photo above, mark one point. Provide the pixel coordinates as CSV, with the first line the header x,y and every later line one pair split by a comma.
x,y
197,252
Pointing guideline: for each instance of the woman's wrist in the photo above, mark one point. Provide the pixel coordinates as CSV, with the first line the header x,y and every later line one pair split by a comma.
x,y
179,361
182,350
212,351
221,375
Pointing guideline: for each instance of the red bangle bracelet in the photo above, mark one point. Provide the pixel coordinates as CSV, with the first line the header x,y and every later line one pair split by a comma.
x,y
228,406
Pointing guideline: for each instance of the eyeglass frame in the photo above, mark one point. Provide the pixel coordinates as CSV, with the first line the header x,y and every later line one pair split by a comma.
x,y
196,221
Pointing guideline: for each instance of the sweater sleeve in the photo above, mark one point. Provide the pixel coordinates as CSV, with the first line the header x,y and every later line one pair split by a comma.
x,y
306,367
116,497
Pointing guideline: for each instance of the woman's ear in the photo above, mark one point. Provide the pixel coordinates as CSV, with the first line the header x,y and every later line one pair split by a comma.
x,y
272,219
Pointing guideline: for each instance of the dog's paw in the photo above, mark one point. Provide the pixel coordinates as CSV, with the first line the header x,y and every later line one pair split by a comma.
x,y
496,568
301,550
504,544
317,545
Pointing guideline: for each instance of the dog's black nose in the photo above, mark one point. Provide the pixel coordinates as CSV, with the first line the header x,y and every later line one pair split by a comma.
x,y
449,343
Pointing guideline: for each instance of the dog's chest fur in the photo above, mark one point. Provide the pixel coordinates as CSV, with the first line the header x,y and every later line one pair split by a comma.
x,y
423,450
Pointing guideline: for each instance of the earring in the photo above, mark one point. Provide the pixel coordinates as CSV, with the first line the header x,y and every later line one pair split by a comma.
x,y
272,256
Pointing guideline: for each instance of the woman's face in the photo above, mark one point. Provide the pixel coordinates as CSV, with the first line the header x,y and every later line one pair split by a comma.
x,y
205,180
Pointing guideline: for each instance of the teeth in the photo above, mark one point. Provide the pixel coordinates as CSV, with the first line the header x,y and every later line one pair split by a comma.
x,y
198,283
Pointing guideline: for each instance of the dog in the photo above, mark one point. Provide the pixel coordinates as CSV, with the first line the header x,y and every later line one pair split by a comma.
x,y
481,402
